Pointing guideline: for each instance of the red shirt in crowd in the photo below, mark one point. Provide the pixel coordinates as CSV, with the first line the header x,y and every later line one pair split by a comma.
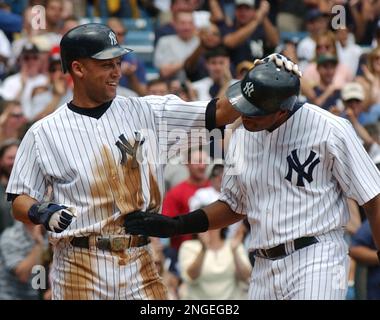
x,y
176,202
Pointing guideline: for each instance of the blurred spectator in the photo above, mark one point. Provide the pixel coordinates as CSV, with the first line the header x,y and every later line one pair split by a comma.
x,y
176,200
195,64
157,87
242,68
172,51
20,86
69,23
218,68
21,248
201,18
348,51
118,8
252,33
353,97
290,15
182,89
8,149
25,37
369,134
365,13
326,92
370,80
211,266
167,27
54,15
364,251
12,121
316,24
325,44
289,49
132,67
9,21
5,53
55,93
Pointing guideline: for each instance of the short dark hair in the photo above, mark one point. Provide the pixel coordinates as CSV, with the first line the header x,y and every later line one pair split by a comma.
x,y
5,145
156,81
216,170
219,51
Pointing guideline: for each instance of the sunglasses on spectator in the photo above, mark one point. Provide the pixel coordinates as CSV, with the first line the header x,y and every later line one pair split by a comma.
x,y
30,57
17,115
54,69
323,46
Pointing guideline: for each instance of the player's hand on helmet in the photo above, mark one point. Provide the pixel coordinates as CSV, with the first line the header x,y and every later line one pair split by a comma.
x,y
150,224
54,217
280,61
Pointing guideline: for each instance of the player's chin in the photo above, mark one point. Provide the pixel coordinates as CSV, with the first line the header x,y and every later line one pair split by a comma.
x,y
111,91
250,127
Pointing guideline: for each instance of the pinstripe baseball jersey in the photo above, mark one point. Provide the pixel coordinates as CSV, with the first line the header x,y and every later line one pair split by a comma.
x,y
105,167
293,181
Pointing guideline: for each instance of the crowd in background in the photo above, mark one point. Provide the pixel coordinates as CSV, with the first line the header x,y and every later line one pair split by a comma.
x,y
199,49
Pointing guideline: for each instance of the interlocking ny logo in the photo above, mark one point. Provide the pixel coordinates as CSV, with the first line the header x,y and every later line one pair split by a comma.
x,y
248,89
294,164
126,148
113,39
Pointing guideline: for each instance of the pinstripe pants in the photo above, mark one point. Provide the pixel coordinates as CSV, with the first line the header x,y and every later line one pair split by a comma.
x,y
316,272
93,274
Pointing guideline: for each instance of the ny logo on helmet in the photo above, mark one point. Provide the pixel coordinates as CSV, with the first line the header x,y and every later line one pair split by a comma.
x,y
248,89
295,164
113,39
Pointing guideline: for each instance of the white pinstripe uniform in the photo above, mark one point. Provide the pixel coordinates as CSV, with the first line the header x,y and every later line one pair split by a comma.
x,y
293,183
76,155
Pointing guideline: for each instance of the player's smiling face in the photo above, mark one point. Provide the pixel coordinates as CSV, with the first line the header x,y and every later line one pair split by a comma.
x,y
269,122
101,78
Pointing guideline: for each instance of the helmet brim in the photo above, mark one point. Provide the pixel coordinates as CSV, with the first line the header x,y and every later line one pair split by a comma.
x,y
110,53
241,104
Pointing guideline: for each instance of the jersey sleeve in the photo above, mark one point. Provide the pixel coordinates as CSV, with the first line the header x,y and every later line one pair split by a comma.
x,y
232,191
356,173
178,122
27,176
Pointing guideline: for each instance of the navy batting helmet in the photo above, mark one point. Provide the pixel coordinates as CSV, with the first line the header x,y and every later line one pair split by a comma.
x,y
92,40
265,89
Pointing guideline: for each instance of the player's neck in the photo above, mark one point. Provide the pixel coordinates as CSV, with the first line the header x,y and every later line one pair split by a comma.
x,y
82,100
279,122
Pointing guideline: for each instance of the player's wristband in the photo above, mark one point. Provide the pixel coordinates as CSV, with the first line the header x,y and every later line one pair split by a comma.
x,y
193,222
378,255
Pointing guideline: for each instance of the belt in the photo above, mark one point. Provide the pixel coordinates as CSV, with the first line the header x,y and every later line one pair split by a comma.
x,y
280,250
111,243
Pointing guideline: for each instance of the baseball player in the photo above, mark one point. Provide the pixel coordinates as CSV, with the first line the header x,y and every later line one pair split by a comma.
x,y
289,168
90,152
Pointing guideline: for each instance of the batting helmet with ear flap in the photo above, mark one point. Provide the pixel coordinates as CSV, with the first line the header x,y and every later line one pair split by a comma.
x,y
92,40
265,89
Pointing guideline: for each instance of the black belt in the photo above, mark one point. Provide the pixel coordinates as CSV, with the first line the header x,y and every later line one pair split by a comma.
x,y
280,252
111,243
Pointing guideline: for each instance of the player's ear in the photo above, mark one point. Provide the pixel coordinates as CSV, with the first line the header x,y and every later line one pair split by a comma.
x,y
77,69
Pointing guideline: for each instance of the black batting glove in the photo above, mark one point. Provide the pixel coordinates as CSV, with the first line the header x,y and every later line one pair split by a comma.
x,y
158,225
54,217
151,224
